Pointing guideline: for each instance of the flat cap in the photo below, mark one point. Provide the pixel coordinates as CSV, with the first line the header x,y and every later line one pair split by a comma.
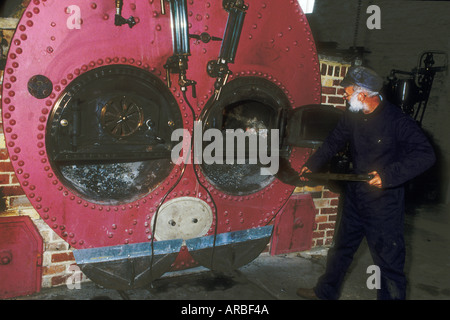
x,y
364,78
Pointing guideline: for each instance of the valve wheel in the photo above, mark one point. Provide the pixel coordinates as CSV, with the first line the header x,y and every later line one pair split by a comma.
x,y
121,117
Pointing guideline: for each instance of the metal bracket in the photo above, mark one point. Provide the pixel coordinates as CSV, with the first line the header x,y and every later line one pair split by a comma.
x,y
119,19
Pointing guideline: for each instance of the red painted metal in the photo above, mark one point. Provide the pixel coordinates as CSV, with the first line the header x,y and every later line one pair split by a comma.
x,y
294,226
21,249
276,44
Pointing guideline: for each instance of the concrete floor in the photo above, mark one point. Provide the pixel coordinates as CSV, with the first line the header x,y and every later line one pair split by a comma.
x,y
277,277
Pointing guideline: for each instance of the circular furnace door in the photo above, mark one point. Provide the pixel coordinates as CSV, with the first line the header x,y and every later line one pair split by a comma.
x,y
249,112
109,134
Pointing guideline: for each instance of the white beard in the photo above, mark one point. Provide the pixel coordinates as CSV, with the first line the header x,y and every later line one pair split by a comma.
x,y
355,104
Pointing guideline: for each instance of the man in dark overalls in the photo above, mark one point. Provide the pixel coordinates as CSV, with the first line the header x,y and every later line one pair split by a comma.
x,y
391,147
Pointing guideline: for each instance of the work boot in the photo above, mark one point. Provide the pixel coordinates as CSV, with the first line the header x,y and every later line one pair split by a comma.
x,y
307,293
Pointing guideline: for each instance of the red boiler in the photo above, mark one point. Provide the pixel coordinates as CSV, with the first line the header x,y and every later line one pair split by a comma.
x,y
93,94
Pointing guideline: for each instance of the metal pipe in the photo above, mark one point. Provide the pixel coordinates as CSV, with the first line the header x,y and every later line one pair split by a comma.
x,y
237,11
180,30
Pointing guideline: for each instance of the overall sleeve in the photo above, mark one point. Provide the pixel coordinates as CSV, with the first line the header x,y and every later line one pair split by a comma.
x,y
415,155
334,143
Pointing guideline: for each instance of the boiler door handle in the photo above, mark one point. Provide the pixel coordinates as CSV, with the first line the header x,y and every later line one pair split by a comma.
x,y
5,257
